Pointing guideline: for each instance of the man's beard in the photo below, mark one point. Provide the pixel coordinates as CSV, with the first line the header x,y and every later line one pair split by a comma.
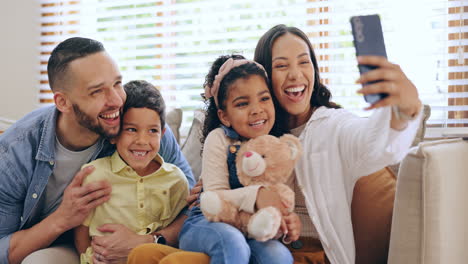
x,y
87,121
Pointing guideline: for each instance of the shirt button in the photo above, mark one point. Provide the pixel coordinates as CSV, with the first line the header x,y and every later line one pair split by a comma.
x,y
164,192
233,149
141,205
141,180
34,195
21,219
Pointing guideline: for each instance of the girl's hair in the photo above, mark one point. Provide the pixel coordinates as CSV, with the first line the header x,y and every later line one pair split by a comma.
x,y
320,95
243,71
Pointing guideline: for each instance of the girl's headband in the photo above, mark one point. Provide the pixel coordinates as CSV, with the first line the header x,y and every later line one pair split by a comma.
x,y
212,91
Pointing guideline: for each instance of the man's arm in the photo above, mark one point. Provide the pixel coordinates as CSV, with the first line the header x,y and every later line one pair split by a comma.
x,y
77,202
114,248
24,242
171,153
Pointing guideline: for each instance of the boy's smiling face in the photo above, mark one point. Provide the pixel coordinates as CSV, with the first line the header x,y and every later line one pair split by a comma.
x,y
139,140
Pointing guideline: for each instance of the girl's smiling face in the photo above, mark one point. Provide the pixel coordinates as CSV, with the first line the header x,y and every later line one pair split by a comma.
x,y
249,108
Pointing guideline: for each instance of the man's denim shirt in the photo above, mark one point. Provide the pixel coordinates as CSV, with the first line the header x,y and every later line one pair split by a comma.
x,y
27,154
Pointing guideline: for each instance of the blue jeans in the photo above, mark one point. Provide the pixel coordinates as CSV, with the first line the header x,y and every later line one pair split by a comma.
x,y
226,244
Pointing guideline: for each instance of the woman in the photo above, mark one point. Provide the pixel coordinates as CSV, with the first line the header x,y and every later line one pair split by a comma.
x,y
338,146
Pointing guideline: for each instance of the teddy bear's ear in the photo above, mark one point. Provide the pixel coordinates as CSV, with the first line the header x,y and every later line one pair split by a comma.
x,y
294,145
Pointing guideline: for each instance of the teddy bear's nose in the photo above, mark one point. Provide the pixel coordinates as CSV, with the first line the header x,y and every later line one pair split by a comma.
x,y
248,154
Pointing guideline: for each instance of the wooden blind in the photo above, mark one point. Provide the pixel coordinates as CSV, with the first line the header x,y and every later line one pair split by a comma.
x,y
424,43
172,43
59,20
457,62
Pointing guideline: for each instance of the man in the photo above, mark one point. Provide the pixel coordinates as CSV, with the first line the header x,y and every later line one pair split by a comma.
x,y
41,191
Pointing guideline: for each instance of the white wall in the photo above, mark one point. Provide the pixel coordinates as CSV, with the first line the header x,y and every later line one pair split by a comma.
x,y
19,63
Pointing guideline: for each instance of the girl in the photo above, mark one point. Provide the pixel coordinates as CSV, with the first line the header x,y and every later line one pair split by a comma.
x,y
240,107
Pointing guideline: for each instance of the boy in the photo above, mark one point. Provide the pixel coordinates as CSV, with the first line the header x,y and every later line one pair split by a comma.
x,y
147,193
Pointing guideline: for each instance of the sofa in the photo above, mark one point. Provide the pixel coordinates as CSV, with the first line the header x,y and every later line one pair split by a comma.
x,y
388,233
418,216
430,217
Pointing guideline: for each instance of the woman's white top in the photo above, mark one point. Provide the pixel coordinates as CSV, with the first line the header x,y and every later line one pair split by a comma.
x,y
340,147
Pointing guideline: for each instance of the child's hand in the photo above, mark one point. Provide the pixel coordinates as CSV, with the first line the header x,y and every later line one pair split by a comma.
x,y
294,226
282,231
192,199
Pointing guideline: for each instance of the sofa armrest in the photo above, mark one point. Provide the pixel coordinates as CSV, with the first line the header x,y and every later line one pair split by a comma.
x,y
430,214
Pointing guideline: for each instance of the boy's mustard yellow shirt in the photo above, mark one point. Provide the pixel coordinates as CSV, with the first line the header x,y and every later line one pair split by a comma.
x,y
143,204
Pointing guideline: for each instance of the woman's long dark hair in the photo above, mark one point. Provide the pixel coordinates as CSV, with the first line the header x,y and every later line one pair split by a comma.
x,y
321,95
243,71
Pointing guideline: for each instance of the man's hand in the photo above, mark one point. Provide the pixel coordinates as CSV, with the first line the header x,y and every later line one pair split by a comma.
x,y
78,200
115,247
192,199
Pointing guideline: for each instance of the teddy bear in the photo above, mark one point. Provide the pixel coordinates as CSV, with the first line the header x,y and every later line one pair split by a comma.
x,y
267,161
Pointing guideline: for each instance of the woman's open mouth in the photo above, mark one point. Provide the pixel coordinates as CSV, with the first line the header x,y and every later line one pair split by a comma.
x,y
295,93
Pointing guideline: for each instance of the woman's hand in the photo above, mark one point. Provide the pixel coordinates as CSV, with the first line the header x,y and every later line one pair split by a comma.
x,y
393,81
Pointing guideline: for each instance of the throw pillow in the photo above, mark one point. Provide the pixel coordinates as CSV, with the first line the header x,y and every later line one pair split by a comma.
x,y
371,213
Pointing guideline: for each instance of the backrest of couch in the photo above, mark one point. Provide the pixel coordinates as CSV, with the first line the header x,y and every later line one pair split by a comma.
x,y
174,120
419,137
431,206
192,146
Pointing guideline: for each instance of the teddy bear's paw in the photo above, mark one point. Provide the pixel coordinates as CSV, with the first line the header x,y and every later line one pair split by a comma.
x,y
264,224
210,203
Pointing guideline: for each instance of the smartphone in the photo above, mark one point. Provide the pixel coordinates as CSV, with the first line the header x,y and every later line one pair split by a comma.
x,y
368,40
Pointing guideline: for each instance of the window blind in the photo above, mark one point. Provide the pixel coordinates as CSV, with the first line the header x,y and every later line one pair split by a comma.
x,y
171,43
420,37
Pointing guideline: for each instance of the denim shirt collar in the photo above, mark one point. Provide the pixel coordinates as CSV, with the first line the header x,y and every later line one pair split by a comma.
x,y
46,149
230,133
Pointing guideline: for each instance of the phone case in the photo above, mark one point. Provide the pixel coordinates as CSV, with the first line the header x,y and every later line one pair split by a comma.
x,y
368,40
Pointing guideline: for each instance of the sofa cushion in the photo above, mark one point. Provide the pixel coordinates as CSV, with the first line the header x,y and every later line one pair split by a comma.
x,y
371,212
431,207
